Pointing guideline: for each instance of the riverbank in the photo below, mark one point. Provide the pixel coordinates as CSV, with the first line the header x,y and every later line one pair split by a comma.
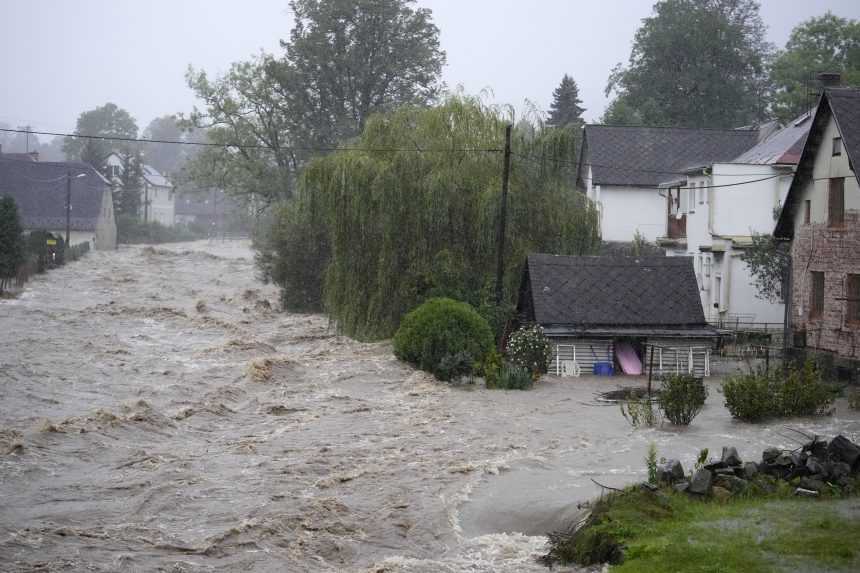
x,y
670,531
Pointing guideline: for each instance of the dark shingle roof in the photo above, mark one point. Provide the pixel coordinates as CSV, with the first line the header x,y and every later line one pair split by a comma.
x,y
843,104
39,190
648,156
657,292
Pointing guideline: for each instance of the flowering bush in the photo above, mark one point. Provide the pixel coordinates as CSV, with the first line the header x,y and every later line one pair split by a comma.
x,y
529,347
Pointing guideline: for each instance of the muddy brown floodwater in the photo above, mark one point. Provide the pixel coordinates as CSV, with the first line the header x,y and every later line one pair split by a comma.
x,y
157,415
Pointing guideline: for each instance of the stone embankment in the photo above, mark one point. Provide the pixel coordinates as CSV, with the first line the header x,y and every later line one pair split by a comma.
x,y
817,467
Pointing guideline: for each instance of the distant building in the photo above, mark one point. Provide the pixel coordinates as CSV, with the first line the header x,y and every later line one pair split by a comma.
x,y
157,197
40,189
599,309
822,219
621,169
203,207
714,210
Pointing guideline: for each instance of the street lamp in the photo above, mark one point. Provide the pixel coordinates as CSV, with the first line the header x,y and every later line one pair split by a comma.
x,y
69,202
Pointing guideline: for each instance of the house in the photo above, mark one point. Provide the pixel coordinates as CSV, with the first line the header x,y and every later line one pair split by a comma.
x,y
157,200
40,190
621,168
714,210
821,218
596,309
204,207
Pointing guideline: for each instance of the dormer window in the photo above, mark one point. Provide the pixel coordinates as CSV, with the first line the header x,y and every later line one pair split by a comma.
x,y
837,146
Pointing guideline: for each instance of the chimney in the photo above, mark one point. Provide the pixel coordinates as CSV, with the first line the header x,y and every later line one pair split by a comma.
x,y
829,79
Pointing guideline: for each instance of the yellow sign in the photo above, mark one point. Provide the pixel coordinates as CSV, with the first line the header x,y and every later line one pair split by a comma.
x,y
52,242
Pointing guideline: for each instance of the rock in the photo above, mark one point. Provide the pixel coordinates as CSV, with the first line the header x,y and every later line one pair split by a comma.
x,y
720,493
670,472
769,455
718,465
844,450
750,470
811,484
682,486
784,460
730,457
701,482
731,483
805,492
837,470
816,448
814,466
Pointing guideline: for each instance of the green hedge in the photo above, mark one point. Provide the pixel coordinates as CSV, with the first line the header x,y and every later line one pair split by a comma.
x,y
444,337
792,391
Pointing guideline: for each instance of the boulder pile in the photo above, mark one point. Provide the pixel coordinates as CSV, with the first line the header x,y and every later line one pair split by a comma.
x,y
819,465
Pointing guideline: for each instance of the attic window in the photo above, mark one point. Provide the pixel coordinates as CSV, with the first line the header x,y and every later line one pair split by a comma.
x,y
837,146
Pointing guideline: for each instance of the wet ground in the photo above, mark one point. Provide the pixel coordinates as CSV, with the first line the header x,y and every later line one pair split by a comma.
x,y
157,414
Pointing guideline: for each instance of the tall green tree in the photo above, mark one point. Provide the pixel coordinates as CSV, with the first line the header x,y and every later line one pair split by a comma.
x,y
344,61
105,121
126,193
823,44
697,63
566,108
11,242
411,210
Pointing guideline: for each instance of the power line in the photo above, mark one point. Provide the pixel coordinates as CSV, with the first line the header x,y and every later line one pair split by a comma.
x,y
253,146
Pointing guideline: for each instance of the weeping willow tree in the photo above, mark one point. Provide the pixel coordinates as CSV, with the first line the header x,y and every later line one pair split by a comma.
x,y
410,211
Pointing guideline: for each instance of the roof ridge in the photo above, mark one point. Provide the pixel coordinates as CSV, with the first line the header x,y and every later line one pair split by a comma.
x,y
738,130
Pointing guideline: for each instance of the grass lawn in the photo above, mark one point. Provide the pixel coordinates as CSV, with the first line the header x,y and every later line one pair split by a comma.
x,y
671,532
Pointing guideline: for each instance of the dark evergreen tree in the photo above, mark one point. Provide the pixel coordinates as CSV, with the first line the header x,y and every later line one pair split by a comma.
x,y
11,242
126,195
565,108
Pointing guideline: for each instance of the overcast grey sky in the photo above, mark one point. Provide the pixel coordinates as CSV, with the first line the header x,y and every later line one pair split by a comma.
x,y
61,57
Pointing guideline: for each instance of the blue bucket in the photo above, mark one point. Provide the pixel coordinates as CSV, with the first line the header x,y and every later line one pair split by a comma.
x,y
603,369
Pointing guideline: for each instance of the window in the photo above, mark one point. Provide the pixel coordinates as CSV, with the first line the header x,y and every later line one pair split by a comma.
x,y
836,202
837,146
807,212
852,293
701,192
816,304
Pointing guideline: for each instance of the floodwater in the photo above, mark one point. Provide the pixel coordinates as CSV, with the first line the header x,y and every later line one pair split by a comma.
x,y
157,415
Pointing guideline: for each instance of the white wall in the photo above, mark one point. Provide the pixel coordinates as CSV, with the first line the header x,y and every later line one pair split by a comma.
x,y
746,209
161,203
625,210
827,166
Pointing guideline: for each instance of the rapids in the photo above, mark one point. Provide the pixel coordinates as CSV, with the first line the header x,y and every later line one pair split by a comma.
x,y
157,415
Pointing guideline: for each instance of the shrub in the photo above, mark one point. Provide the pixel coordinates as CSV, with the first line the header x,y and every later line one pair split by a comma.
x,y
639,412
444,337
529,348
514,377
789,392
491,367
651,463
854,399
682,397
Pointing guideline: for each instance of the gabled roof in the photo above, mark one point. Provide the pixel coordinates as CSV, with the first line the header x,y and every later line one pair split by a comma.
x,y
646,156
39,191
152,175
782,147
842,104
588,292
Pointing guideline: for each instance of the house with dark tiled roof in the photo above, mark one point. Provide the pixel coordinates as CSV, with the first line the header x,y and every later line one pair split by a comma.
x,y
714,210
41,189
821,218
621,169
609,309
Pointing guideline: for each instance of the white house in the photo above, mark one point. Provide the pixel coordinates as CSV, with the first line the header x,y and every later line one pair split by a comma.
x,y
157,197
621,169
714,211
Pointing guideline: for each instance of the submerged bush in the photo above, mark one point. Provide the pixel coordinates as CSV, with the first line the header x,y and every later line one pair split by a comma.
x,y
640,412
444,337
790,392
529,348
682,397
514,377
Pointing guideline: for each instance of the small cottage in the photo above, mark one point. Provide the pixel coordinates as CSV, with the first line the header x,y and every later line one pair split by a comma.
x,y
607,312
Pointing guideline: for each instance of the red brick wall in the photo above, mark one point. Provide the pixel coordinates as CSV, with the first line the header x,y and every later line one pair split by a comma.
x,y
836,252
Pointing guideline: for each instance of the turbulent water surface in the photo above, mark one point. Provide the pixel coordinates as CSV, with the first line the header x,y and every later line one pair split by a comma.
x,y
157,414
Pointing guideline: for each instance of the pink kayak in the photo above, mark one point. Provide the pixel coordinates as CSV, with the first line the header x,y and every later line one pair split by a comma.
x,y
627,358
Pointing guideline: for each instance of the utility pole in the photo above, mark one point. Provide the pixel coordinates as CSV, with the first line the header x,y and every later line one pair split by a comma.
x,y
68,205
503,214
